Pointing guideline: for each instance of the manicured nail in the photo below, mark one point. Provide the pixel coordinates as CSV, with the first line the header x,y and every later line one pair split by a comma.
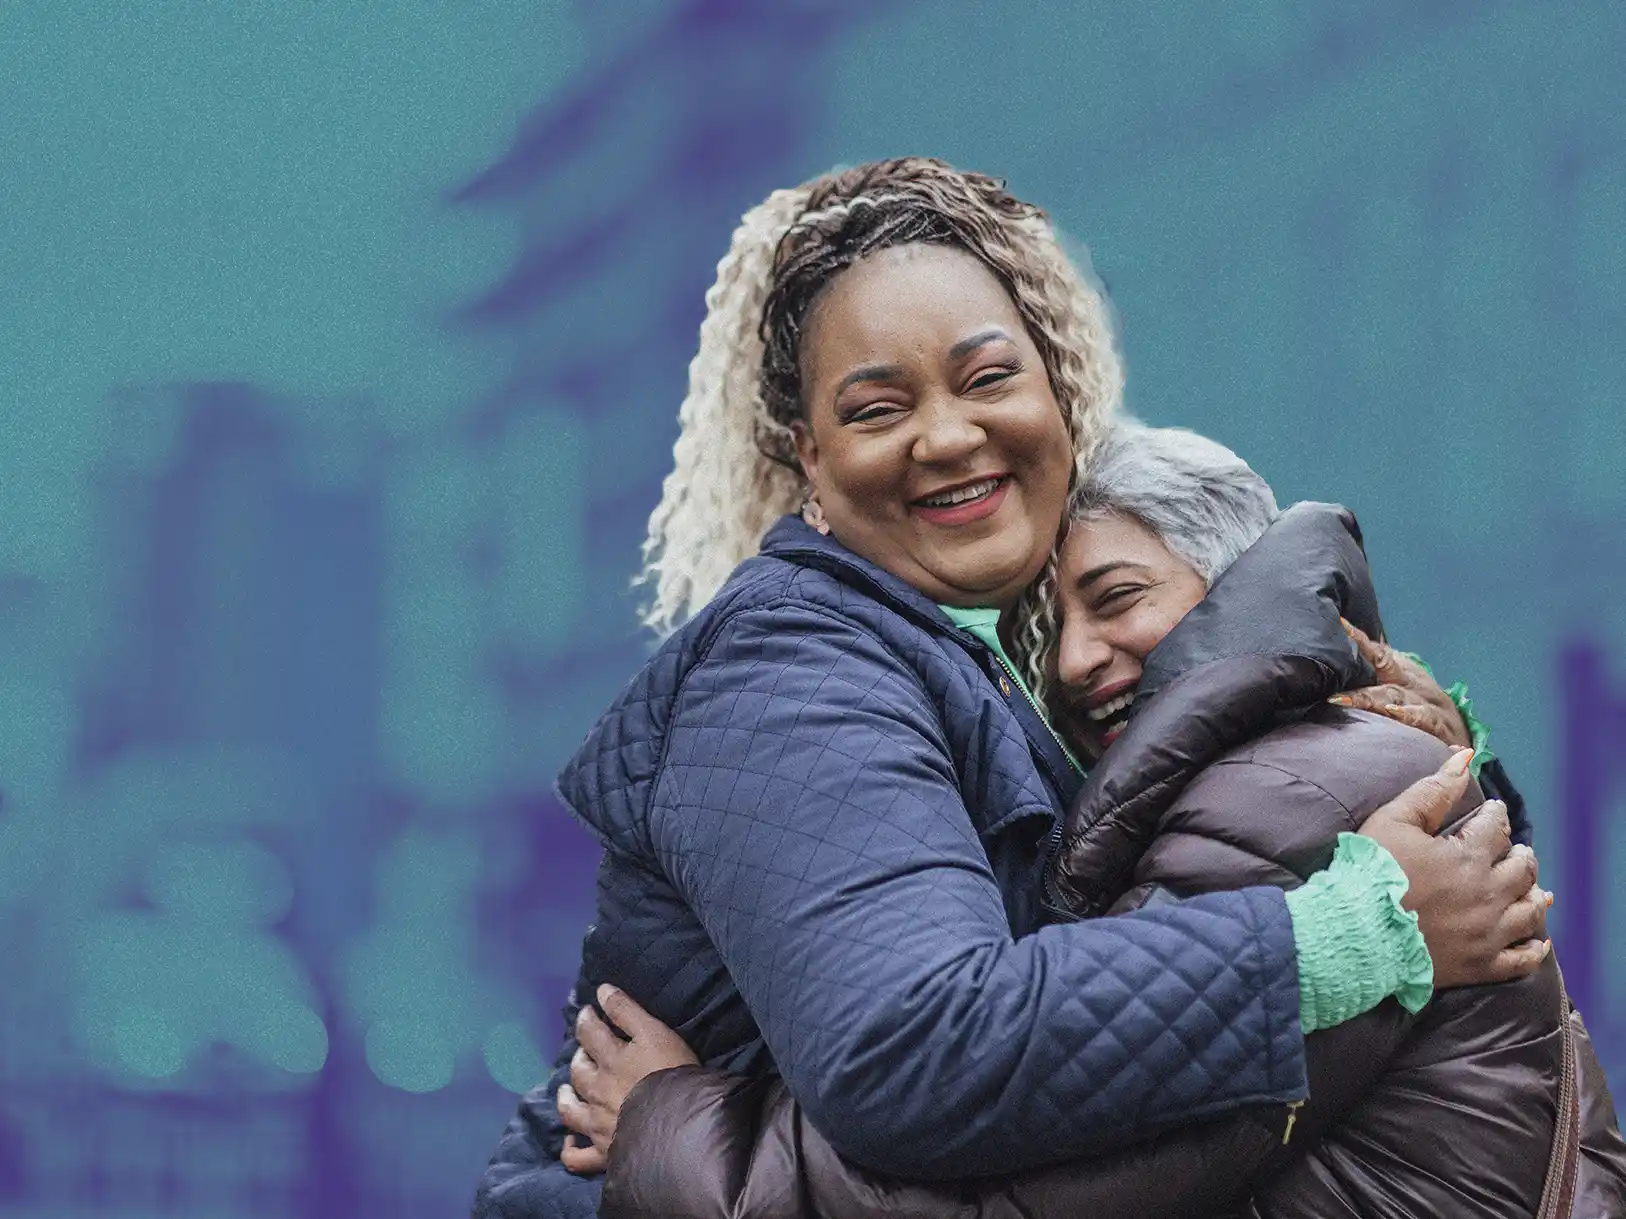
x,y
1550,899
1341,700
1458,764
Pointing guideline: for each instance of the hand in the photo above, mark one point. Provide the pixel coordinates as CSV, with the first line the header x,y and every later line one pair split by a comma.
x,y
605,1069
1478,906
1404,692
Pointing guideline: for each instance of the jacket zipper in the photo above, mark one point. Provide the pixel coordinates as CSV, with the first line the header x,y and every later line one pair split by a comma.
x,y
1043,718
1292,1116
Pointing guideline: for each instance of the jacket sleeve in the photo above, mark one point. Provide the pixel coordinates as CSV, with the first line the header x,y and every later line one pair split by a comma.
x,y
809,812
524,1178
698,1143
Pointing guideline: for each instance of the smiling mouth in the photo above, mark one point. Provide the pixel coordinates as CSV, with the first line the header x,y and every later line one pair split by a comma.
x,y
1112,716
969,493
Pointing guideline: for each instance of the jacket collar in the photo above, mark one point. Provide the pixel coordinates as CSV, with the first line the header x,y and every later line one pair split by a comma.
x,y
792,539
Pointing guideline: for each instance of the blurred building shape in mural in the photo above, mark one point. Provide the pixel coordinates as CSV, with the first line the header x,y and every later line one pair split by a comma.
x,y
625,189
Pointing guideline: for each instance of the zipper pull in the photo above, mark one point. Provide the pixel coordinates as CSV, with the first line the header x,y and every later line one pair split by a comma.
x,y
1292,1116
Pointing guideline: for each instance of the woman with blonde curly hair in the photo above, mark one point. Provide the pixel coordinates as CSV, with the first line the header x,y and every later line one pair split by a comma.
x,y
826,801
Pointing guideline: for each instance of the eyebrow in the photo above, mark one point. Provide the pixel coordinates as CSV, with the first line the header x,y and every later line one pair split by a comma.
x,y
894,372
981,339
1095,573
870,372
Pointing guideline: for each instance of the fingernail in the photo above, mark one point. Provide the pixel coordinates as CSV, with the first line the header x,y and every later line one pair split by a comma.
x,y
1458,764
1550,899
1522,851
1546,949
1391,708
1341,700
606,993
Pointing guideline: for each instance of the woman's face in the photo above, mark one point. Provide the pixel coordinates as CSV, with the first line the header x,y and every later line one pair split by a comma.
x,y
1120,591
930,433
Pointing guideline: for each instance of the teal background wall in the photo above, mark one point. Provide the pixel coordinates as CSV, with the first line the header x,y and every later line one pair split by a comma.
x,y
340,349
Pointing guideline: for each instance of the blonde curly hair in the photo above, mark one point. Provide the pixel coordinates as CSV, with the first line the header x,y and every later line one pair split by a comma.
x,y
735,469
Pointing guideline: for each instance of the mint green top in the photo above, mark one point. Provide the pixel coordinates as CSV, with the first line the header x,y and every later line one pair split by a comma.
x,y
1355,943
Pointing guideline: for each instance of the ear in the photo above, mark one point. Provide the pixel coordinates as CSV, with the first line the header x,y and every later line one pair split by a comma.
x,y
807,452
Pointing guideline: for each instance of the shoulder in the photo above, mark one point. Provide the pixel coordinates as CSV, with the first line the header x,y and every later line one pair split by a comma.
x,y
1358,759
1287,795
780,642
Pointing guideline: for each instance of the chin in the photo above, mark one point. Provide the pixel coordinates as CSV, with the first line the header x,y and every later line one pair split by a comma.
x,y
996,574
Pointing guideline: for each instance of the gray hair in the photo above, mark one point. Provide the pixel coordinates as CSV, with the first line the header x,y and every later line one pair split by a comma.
x,y
1202,501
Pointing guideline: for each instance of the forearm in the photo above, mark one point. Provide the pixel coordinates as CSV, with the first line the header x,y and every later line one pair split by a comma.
x,y
1078,1040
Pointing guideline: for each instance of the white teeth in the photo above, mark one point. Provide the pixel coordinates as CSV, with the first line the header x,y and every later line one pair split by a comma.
x,y
1107,710
962,494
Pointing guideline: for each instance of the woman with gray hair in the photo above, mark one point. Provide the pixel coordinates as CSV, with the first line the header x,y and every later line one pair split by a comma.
x,y
1203,638
1206,506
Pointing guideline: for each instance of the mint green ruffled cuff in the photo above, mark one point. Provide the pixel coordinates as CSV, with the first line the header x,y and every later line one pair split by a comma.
x,y
1478,733
1356,944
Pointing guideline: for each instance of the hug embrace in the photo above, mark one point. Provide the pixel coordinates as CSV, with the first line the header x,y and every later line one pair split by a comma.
x,y
1021,815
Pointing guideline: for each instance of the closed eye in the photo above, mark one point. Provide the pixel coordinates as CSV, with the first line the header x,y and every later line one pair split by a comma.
x,y
1118,596
870,412
992,376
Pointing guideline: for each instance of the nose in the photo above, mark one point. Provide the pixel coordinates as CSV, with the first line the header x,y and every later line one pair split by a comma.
x,y
946,433
1082,656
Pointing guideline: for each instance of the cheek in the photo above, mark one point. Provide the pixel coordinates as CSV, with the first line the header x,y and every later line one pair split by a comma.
x,y
1152,623
1047,450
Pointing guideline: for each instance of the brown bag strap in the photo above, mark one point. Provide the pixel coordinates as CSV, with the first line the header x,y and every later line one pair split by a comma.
x,y
1564,1165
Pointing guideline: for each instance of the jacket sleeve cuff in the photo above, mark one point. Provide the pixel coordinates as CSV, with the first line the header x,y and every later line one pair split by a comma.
x,y
1356,944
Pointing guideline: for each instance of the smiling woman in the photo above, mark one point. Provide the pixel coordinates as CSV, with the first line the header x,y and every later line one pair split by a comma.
x,y
931,439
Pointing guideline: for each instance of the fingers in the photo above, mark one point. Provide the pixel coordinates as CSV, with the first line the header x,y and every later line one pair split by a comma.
x,y
1520,960
591,1129
584,1161
1525,919
1440,719
1488,835
597,1037
584,1076
1385,663
1424,719
628,1016
1517,872
572,1111
1372,698
1429,801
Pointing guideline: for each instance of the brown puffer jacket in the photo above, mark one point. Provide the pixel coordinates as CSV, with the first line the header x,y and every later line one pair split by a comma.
x,y
1233,772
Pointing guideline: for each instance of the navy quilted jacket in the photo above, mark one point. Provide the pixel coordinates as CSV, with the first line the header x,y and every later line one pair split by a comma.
x,y
825,812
